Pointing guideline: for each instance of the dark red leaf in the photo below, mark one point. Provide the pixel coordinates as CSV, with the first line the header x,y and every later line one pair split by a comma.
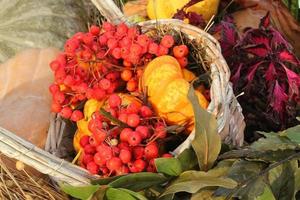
x,y
294,81
286,56
278,39
265,21
179,15
252,71
279,98
271,73
235,78
195,19
261,40
191,2
229,38
258,50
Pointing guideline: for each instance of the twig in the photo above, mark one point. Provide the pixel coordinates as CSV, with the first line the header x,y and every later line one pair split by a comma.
x,y
261,173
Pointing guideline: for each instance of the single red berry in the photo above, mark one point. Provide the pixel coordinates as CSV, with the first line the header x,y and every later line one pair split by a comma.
x,y
127,63
66,112
103,40
116,53
123,170
162,50
124,135
89,149
88,39
92,167
93,141
108,26
98,159
160,131
113,76
94,125
126,74
54,65
143,131
167,155
132,168
124,145
135,49
105,152
125,155
132,32
114,101
140,165
146,111
133,108
53,88
134,139
69,80
151,168
94,30
99,93
112,43
99,135
125,52
84,140
122,29
105,84
143,40
153,48
167,41
114,164
133,120
125,42
123,117
55,107
151,151
87,158
104,170
180,51
112,111
138,152
76,115
59,97
183,62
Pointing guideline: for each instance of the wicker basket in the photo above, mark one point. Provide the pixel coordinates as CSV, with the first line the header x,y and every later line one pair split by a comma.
x,y
55,160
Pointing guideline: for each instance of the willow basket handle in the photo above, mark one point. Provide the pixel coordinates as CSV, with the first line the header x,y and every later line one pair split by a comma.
x,y
110,11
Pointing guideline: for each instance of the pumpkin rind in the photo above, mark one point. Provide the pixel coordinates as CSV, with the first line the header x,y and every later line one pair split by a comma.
x,y
167,91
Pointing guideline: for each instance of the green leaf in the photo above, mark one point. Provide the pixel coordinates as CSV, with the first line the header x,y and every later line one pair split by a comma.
x,y
282,181
241,171
193,181
265,156
117,194
99,194
80,192
169,166
266,195
206,195
188,159
207,142
104,181
134,194
293,134
138,181
273,142
297,180
38,24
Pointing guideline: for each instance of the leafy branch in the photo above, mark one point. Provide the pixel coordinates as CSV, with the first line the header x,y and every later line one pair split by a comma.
x,y
263,172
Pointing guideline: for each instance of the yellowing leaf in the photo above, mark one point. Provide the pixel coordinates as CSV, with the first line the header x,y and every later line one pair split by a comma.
x,y
207,142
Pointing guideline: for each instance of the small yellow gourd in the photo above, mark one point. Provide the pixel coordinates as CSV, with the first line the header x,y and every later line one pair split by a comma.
x,y
167,89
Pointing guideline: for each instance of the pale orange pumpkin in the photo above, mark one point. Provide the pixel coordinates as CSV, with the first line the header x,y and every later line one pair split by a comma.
x,y
167,88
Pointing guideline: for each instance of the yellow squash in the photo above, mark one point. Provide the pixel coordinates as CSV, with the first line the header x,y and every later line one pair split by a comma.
x,y
165,9
167,88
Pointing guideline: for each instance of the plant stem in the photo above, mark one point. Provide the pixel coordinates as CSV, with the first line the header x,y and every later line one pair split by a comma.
x,y
113,119
261,173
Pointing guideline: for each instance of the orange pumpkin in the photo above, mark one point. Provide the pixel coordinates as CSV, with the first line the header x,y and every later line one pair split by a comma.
x,y
167,88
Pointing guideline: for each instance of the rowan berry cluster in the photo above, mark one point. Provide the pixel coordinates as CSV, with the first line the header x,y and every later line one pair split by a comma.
x,y
116,150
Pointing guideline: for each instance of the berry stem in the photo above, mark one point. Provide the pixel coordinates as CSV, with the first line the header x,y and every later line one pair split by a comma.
x,y
113,119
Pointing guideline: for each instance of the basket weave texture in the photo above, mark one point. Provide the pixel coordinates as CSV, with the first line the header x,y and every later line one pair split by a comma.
x,y
58,151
